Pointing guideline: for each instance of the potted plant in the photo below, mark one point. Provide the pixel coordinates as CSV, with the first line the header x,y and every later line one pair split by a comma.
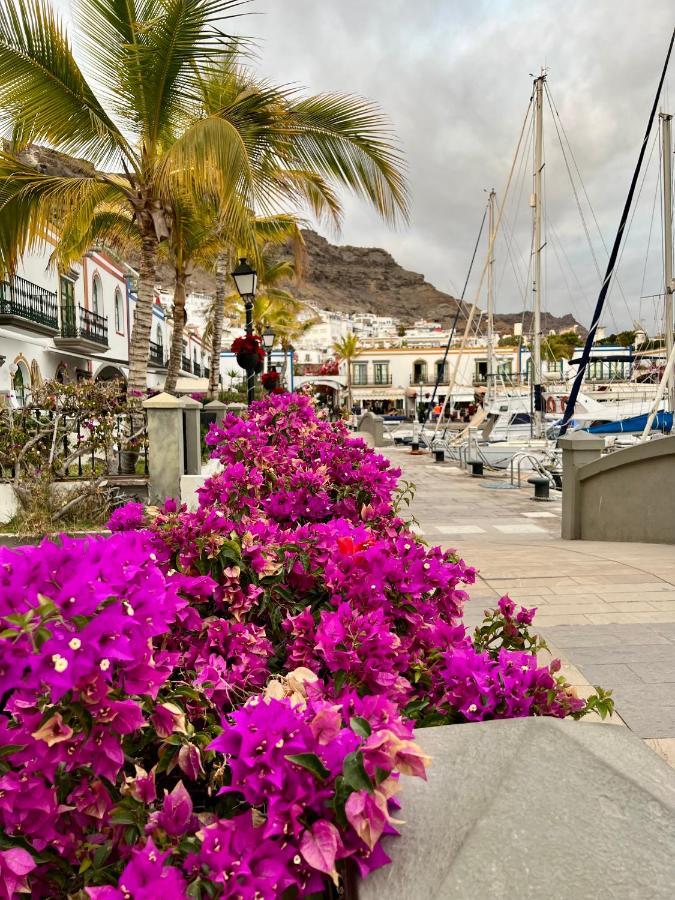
x,y
271,380
249,353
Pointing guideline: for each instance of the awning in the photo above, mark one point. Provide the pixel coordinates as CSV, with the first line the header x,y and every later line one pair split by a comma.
x,y
375,394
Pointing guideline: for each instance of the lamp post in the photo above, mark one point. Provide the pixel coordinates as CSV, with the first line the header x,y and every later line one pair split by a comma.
x,y
268,337
245,278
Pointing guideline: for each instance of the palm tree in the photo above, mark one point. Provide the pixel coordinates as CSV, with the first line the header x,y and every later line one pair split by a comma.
x,y
272,230
347,349
170,114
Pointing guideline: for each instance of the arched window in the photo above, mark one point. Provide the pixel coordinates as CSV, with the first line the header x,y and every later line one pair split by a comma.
x,y
97,296
119,316
419,371
20,383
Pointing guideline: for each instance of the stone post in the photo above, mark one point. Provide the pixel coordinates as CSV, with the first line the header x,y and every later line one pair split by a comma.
x,y
215,411
193,441
373,425
579,448
166,448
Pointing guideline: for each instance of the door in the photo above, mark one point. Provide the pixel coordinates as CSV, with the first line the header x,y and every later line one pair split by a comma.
x,y
68,318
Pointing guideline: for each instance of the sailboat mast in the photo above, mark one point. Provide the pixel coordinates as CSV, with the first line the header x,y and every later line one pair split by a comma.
x,y
537,246
491,362
667,161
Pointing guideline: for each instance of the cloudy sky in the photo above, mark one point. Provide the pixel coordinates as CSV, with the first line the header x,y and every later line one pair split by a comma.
x,y
454,78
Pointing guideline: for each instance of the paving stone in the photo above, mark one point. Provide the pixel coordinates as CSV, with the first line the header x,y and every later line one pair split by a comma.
x,y
655,672
611,675
665,747
483,827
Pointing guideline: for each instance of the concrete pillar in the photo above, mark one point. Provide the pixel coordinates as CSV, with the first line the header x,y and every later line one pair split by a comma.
x,y
166,447
214,411
192,410
374,426
579,448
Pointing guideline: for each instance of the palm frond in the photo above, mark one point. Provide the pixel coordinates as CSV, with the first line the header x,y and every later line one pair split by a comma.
x,y
33,204
112,228
44,96
349,141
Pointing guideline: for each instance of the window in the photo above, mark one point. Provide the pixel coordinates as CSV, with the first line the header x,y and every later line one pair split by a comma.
x,y
160,337
381,373
441,371
505,369
481,371
119,318
67,290
96,296
360,373
520,419
419,371
19,384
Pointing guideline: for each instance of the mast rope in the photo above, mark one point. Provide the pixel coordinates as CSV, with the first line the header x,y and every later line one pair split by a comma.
x,y
557,119
472,311
611,264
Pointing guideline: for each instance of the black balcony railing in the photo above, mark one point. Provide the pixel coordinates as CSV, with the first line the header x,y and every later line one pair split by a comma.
x,y
85,324
26,300
156,355
185,364
197,369
207,371
377,381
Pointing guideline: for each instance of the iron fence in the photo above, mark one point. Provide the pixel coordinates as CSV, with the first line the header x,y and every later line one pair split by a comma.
x,y
22,298
77,446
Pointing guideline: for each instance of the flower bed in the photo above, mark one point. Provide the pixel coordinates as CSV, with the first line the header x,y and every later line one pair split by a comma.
x,y
221,703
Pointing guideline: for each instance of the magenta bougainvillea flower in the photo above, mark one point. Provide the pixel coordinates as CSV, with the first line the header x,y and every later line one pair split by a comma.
x,y
222,702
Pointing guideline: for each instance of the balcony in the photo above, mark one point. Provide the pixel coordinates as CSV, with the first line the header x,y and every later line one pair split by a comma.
x,y
206,372
185,364
28,306
197,369
381,381
82,330
156,356
425,378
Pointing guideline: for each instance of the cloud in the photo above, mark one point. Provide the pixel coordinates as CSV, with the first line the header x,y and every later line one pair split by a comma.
x,y
454,78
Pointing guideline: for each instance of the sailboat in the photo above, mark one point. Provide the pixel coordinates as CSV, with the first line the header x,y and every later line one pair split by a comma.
x,y
516,422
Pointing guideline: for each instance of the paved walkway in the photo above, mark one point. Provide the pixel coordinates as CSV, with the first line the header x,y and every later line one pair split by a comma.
x,y
607,609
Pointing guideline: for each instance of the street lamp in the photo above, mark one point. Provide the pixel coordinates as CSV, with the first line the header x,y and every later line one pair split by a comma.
x,y
268,337
245,278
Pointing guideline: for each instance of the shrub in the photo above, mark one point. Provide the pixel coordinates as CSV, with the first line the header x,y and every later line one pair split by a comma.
x,y
221,703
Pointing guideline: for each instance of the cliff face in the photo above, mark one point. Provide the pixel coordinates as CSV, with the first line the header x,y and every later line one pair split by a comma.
x,y
368,279
338,278
365,279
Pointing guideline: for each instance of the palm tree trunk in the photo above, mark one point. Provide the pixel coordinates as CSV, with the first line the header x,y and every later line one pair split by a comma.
x,y
217,336
176,354
139,344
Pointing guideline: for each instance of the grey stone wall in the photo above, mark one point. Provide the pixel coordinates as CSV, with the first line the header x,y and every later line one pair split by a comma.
x,y
628,495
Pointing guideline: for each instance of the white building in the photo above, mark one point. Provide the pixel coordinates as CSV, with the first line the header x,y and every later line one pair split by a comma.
x,y
76,325
397,378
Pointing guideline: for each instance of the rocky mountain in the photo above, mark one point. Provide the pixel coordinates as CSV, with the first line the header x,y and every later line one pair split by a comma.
x,y
340,278
368,279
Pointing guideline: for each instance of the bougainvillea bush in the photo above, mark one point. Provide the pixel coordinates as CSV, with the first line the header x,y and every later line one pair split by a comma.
x,y
221,703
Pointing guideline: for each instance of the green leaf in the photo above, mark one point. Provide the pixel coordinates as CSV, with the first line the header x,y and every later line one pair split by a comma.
x,y
311,762
8,749
360,726
123,817
339,680
355,774
8,633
